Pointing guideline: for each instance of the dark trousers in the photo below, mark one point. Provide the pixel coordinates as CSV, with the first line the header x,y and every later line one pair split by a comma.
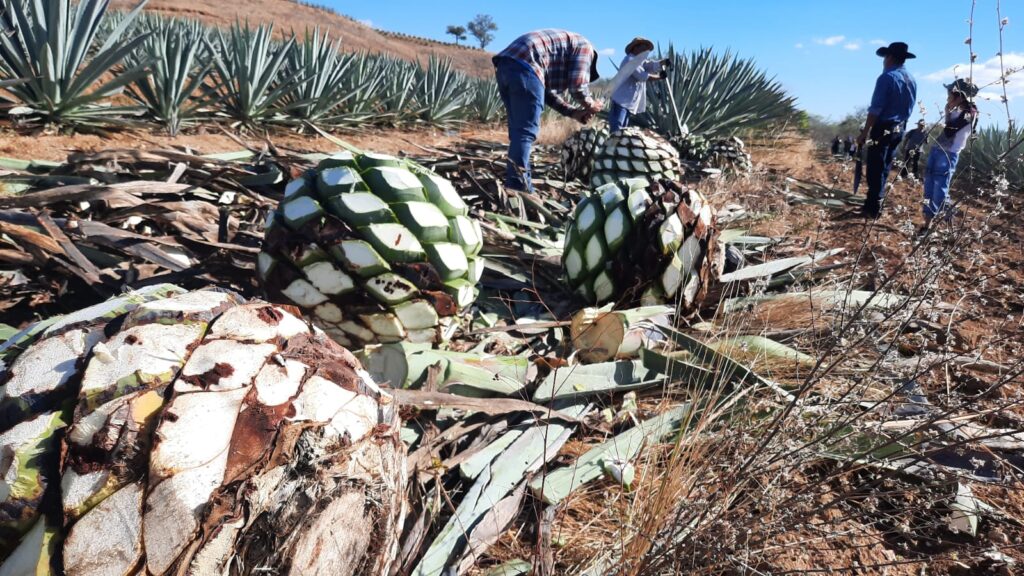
x,y
911,159
885,139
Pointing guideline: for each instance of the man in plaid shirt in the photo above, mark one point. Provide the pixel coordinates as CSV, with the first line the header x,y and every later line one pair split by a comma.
x,y
534,70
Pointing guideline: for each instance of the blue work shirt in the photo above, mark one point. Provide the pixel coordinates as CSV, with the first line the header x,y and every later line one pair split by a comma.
x,y
894,96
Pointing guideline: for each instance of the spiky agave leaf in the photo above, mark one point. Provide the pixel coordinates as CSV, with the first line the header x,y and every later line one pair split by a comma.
x,y
182,59
52,47
195,412
330,85
249,82
442,93
637,242
715,95
485,105
376,249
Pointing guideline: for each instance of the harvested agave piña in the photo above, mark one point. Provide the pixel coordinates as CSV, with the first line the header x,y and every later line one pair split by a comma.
x,y
174,432
578,151
635,153
636,242
374,249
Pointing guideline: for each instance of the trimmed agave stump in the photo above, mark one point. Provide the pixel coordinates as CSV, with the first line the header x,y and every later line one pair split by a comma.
x,y
636,242
174,432
374,249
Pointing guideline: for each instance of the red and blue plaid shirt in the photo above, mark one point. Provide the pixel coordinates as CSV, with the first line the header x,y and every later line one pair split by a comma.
x,y
561,59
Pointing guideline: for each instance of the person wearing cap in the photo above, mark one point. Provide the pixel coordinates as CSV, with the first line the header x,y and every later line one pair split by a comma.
x,y
631,96
892,103
534,70
961,116
912,149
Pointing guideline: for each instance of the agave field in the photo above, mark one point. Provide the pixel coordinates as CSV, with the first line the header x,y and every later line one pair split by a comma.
x,y
675,356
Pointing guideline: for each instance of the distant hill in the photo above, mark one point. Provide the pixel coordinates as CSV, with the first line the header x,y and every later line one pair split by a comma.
x,y
287,15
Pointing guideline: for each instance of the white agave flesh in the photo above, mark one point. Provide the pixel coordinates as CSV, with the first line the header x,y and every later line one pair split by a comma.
x,y
150,353
301,209
358,331
304,294
416,315
595,253
19,447
223,365
573,264
603,286
328,279
186,304
349,413
49,363
671,233
195,429
107,541
252,323
295,188
264,265
76,489
275,384
329,312
385,326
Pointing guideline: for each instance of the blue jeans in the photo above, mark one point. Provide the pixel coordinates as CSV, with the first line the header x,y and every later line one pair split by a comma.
x,y
523,94
618,118
886,139
937,176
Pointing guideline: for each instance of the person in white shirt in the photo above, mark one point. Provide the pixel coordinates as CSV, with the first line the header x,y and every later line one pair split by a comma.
x,y
631,96
961,117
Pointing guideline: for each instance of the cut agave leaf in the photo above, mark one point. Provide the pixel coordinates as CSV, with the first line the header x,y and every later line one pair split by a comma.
x,y
390,288
361,209
462,291
341,180
442,194
301,210
372,159
328,279
466,233
337,159
304,294
385,326
360,258
296,188
394,242
424,220
449,260
417,315
394,184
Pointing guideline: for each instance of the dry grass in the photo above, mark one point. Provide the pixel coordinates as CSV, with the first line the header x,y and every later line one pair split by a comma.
x,y
556,130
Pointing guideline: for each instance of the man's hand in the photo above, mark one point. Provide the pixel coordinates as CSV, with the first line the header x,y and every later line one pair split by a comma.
x,y
582,115
593,107
666,64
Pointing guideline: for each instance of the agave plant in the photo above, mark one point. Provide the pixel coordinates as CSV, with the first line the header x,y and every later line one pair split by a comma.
x,y
182,60
996,152
249,81
320,100
52,46
715,94
486,103
442,93
398,89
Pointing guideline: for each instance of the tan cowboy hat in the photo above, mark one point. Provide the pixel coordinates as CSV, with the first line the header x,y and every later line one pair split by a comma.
x,y
644,44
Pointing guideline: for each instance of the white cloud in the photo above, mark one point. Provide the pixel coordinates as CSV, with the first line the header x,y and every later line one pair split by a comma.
x,y
852,46
798,45
830,41
878,42
986,75
366,22
606,51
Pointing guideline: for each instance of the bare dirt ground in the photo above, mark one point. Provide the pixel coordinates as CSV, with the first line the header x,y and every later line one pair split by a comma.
x,y
356,37
56,147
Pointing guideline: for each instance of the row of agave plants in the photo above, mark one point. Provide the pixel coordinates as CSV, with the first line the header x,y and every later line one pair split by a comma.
x,y
80,65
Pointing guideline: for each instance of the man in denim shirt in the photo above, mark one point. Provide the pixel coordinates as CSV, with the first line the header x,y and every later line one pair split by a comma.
x,y
891,105
535,69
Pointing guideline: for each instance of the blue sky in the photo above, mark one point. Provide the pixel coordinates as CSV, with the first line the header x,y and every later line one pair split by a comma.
x,y
822,51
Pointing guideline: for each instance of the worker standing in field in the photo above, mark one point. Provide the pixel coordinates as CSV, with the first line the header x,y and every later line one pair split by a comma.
x,y
631,96
534,70
912,149
960,119
892,103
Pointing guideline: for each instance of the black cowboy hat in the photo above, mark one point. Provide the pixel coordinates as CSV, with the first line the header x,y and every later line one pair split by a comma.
x,y
965,87
896,50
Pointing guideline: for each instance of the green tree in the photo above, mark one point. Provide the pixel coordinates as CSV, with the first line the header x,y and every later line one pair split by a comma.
x,y
458,31
481,28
